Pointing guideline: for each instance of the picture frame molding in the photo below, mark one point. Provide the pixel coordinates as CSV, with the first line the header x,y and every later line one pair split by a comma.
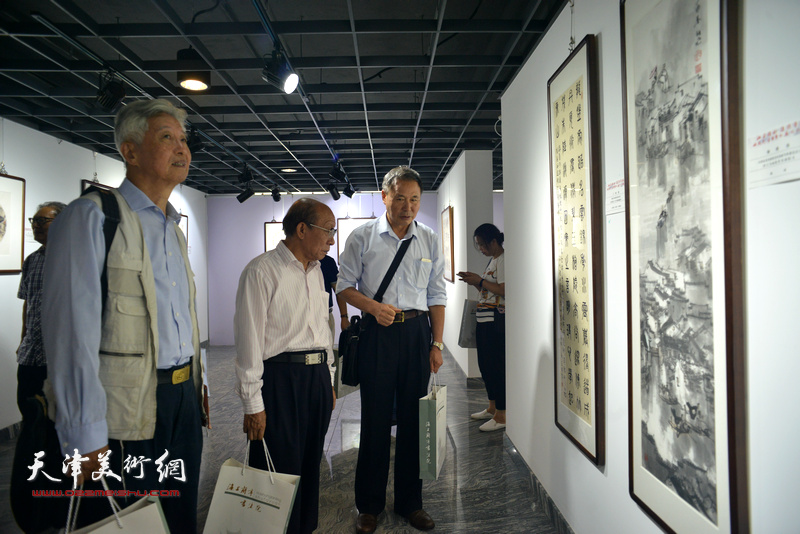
x,y
595,452
271,224
184,226
729,167
447,223
11,263
342,234
86,184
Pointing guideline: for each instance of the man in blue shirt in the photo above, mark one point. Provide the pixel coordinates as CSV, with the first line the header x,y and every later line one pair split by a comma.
x,y
125,372
31,362
401,346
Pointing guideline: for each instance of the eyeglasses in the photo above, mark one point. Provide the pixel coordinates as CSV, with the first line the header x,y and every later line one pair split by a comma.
x,y
331,232
39,221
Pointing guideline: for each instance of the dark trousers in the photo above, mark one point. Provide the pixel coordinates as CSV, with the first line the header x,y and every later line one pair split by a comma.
x,y
491,338
178,432
394,362
30,379
298,400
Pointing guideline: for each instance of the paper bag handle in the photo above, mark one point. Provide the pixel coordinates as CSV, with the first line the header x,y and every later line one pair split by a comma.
x,y
72,512
270,464
435,384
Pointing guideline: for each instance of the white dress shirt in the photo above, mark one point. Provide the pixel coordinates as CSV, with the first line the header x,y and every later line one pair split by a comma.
x,y
280,306
418,283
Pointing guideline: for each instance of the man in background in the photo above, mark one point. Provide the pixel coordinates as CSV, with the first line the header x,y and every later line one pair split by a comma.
x,y
330,273
31,361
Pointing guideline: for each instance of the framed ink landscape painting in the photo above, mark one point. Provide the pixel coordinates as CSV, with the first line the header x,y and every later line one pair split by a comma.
x,y
686,363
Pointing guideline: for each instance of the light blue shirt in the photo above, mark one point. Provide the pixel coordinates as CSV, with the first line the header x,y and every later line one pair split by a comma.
x,y
418,283
71,316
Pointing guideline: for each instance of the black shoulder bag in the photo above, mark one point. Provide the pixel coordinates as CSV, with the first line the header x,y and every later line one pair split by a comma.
x,y
348,339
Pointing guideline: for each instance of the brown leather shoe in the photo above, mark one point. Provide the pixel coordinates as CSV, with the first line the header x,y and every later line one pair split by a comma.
x,y
420,520
366,523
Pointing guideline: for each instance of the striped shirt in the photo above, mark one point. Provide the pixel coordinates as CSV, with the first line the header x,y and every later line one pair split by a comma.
x,y
489,302
280,306
31,350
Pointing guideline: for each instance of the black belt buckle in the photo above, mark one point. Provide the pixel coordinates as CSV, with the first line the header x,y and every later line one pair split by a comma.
x,y
399,317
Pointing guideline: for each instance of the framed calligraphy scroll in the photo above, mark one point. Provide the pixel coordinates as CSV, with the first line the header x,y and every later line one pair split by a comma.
x,y
12,223
576,204
686,347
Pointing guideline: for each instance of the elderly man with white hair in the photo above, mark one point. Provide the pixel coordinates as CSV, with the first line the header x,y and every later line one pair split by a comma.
x,y
120,325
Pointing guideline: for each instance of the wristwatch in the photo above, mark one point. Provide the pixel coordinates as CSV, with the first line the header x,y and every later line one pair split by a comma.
x,y
438,344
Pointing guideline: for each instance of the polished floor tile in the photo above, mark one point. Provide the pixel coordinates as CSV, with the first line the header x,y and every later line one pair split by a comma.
x,y
484,486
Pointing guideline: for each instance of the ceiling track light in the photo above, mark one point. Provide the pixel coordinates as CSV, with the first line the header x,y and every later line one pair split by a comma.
x,y
333,190
194,141
278,74
111,91
193,80
246,177
244,195
349,190
337,173
276,194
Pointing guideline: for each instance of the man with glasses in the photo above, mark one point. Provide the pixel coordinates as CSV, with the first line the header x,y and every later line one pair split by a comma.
x,y
31,361
399,348
282,347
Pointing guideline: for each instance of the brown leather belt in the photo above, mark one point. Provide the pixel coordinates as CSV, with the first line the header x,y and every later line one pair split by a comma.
x,y
405,315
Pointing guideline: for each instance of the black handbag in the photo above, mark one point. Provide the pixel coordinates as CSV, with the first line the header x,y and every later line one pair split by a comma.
x,y
348,339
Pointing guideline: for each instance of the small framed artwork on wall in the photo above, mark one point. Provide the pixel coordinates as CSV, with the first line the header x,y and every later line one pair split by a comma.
x,y
183,224
273,234
345,227
447,244
86,184
12,223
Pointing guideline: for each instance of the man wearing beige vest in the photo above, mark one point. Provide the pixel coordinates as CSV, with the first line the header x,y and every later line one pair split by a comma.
x,y
124,356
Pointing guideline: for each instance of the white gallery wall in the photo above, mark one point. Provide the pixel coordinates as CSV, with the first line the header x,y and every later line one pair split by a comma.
x,y
468,189
595,499
772,219
53,170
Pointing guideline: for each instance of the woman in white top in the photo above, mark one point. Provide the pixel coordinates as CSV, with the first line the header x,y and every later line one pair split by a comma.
x,y
491,328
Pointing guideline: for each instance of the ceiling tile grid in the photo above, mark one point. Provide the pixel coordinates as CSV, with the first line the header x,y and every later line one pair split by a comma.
x,y
382,83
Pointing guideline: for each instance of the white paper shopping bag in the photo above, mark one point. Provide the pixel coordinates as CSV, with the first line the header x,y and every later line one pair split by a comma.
x,y
432,431
144,515
247,499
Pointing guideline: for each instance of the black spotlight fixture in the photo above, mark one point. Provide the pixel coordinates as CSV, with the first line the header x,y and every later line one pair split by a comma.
x,y
194,80
337,173
276,194
348,190
333,190
195,141
278,74
246,177
111,91
244,195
